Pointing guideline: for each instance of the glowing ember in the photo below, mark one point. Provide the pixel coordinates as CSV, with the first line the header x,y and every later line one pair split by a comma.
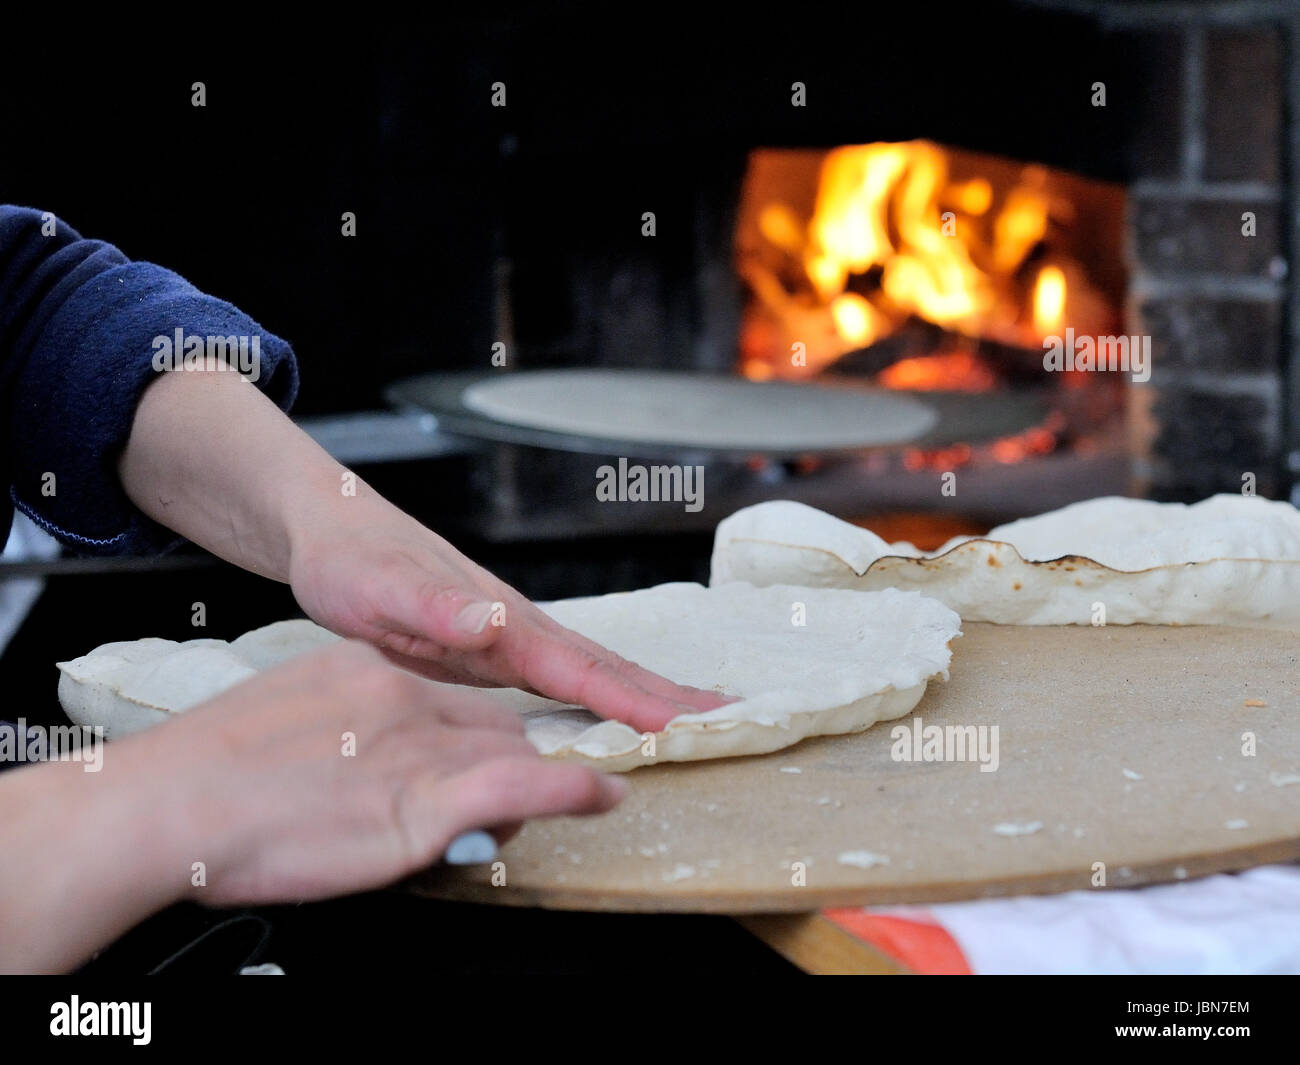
x,y
958,371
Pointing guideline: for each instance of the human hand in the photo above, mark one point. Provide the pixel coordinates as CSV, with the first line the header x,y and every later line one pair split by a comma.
x,y
357,564
372,571
337,772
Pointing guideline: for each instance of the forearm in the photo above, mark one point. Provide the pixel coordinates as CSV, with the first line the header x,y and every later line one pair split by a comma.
x,y
86,856
213,459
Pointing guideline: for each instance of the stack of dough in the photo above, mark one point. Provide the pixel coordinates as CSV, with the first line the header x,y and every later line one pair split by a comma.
x,y
1229,560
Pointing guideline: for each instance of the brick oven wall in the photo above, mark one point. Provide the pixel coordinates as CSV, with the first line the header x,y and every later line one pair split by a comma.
x,y
1210,147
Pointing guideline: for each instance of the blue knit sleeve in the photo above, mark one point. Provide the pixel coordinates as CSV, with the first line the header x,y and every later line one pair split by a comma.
x,y
83,331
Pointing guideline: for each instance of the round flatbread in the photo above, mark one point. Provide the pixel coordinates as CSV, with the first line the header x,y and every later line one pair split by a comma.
x,y
802,662
797,661
690,410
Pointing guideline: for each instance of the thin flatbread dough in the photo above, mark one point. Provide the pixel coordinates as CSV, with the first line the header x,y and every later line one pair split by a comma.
x,y
128,686
804,662
800,661
1228,560
691,410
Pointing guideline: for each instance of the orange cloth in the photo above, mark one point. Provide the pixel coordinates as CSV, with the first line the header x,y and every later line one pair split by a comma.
x,y
924,947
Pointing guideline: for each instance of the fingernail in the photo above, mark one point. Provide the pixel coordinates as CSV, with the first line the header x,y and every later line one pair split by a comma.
x,y
473,618
615,787
471,848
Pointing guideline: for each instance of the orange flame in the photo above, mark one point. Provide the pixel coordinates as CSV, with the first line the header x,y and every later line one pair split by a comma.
x,y
891,234
1049,299
926,268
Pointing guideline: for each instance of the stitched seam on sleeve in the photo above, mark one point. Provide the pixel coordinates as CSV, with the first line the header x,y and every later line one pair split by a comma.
x,y
54,530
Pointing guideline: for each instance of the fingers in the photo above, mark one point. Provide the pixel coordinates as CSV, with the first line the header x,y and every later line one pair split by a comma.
x,y
469,709
426,618
503,834
543,656
450,670
687,698
695,698
569,672
451,632
634,704
446,692
461,748
504,791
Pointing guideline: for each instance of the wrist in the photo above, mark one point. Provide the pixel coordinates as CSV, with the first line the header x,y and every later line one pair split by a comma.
x,y
328,505
181,807
107,865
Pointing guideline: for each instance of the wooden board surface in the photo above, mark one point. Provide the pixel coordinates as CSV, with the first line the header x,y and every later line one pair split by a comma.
x,y
1075,707
819,946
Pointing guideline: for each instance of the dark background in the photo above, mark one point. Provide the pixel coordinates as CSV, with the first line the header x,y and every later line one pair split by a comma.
x,y
611,112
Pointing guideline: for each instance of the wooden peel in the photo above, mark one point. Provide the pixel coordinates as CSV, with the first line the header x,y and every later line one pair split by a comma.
x,y
1075,708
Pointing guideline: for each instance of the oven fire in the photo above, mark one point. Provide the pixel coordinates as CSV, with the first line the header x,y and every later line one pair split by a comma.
x,y
927,268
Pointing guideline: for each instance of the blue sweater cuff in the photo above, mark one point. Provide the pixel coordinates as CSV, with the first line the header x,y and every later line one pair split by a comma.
x,y
77,393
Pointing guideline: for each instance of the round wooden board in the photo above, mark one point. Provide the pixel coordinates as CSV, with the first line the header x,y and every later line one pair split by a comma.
x,y
1075,707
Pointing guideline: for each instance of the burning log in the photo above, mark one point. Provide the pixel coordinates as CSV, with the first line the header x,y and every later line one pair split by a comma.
x,y
976,363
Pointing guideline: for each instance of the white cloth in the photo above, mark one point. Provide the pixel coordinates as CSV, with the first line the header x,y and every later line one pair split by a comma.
x,y
1238,923
25,542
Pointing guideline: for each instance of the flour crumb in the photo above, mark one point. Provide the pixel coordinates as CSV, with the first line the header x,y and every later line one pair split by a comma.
x,y
1281,780
1023,828
791,769
1180,873
1132,774
862,859
1236,823
680,872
